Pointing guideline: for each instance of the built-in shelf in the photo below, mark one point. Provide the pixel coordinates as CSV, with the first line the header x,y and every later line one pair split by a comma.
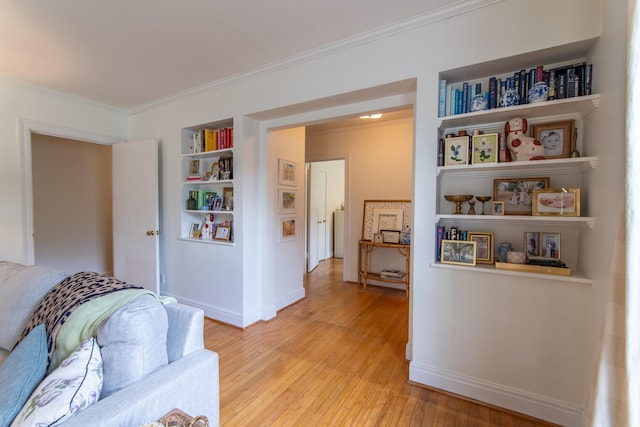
x,y
205,182
214,242
581,221
196,211
490,269
213,153
525,169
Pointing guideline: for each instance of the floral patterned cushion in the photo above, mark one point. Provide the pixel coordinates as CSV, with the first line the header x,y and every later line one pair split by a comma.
x,y
72,386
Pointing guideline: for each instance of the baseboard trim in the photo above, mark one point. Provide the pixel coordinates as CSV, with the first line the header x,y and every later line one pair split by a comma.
x,y
287,300
516,400
215,313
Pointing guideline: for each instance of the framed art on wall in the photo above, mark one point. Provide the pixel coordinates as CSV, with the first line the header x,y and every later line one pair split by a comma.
x,y
287,172
286,201
287,229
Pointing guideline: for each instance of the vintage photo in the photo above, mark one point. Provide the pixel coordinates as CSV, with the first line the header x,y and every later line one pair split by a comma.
x,y
497,208
517,193
557,202
531,244
550,245
462,252
555,137
484,246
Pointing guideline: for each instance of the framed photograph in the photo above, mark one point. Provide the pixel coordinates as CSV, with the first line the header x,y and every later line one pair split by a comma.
x,y
557,202
377,238
216,203
287,172
288,229
227,198
286,201
550,245
195,230
390,236
484,246
456,151
375,206
387,219
531,244
223,232
461,252
517,193
194,167
556,138
497,208
485,149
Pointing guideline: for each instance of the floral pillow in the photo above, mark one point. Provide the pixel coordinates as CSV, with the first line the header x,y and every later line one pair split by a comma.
x,y
72,386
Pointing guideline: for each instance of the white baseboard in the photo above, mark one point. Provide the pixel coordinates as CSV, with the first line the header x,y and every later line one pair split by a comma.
x,y
534,405
289,299
215,313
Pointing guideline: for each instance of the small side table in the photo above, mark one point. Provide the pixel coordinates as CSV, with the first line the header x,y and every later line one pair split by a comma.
x,y
365,247
177,418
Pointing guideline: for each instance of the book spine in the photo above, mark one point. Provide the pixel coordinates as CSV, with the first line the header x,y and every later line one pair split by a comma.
x,y
571,83
588,76
552,84
539,74
523,87
442,98
458,101
493,93
465,97
441,152
561,86
450,101
439,239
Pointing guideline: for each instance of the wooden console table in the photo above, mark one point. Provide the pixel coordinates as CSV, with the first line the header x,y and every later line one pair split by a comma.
x,y
365,247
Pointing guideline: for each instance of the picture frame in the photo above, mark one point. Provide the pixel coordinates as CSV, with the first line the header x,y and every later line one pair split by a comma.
x,y
216,203
287,229
497,208
556,202
517,193
227,198
287,172
531,244
370,206
484,246
387,219
556,137
195,230
456,151
390,236
484,149
287,200
458,252
550,245
223,232
194,167
377,238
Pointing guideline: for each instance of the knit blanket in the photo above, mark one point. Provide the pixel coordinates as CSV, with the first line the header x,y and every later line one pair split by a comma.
x,y
64,298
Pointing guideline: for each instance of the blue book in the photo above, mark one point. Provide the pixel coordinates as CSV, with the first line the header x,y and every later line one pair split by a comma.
x,y
442,98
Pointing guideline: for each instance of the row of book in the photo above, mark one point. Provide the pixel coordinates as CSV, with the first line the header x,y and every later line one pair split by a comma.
x,y
212,139
566,81
443,234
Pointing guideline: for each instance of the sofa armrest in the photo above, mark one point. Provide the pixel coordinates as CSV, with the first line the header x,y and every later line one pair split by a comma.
x,y
190,384
186,330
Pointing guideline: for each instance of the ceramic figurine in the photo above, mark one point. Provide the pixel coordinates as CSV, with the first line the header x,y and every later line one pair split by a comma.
x,y
522,147
539,92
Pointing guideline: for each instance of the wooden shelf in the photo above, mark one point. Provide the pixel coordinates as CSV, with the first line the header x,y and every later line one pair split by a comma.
x,y
490,269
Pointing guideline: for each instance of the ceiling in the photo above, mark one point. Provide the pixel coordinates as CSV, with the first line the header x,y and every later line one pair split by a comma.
x,y
129,54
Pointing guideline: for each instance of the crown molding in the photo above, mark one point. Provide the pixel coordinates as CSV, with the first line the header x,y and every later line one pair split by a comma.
x,y
417,21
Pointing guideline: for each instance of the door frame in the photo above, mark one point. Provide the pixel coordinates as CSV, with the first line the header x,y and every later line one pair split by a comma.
x,y
26,128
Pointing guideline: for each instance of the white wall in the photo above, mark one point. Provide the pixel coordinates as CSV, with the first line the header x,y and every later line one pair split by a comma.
x,y
379,167
19,103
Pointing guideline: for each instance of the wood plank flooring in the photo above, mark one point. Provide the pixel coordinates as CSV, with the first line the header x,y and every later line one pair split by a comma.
x,y
335,358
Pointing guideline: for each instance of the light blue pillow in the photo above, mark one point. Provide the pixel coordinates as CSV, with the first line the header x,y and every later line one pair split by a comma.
x,y
21,372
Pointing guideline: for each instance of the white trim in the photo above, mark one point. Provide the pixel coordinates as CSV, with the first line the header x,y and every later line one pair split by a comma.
x,y
517,400
27,127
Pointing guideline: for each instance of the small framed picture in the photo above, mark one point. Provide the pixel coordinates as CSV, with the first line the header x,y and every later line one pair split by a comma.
x,y
287,172
557,202
287,228
550,245
377,238
484,246
497,208
461,252
286,201
227,198
456,151
517,193
531,244
195,230
223,232
555,137
216,203
485,149
390,236
194,167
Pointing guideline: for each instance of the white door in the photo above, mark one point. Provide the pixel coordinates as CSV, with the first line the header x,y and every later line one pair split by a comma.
x,y
317,216
135,213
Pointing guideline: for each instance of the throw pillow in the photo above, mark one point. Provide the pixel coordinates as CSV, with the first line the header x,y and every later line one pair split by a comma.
x,y
72,386
21,289
21,372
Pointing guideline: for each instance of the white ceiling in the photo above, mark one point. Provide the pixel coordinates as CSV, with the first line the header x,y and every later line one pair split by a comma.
x,y
131,53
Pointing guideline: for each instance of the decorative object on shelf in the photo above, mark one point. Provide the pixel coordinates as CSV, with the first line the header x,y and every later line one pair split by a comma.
x,y
371,207
483,199
287,172
377,238
192,201
504,248
472,209
539,92
531,244
405,236
195,231
223,232
456,151
458,199
550,245
216,203
517,193
516,257
521,146
497,208
227,198
387,219
556,202
390,236
485,148
478,102
503,151
509,98
459,252
574,141
484,246
207,228
556,138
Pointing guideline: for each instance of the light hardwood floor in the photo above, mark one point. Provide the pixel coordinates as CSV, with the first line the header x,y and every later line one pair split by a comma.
x,y
335,358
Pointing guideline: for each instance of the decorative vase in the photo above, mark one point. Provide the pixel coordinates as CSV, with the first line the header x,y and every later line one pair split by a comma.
x,y
405,236
192,203
503,250
478,103
509,98
539,92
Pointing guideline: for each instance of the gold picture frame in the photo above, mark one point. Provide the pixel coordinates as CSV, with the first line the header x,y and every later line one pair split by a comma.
x,y
223,232
556,202
484,246
517,193
556,137
458,252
